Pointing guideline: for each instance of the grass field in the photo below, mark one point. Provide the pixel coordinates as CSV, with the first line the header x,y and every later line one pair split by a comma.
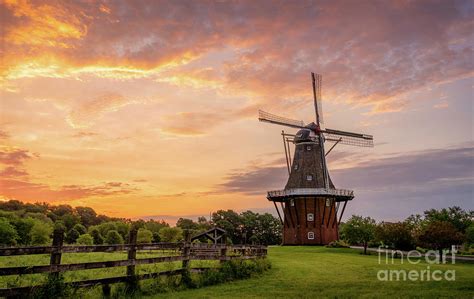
x,y
297,272
314,272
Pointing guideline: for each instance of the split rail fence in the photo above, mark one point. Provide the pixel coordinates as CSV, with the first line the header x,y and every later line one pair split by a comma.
x,y
183,251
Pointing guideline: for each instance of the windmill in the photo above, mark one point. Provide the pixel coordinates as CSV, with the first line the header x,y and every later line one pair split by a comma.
x,y
310,202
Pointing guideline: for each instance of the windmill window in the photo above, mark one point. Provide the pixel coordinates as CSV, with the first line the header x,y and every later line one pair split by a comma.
x,y
309,177
328,202
292,202
310,217
309,148
310,235
296,167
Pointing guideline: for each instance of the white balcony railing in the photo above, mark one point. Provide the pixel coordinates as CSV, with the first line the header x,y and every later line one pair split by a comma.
x,y
311,192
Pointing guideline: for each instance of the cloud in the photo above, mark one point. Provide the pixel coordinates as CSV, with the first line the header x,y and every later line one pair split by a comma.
x,y
4,135
201,123
88,112
442,105
191,123
369,53
418,169
12,172
256,180
14,156
390,188
23,189
82,134
43,25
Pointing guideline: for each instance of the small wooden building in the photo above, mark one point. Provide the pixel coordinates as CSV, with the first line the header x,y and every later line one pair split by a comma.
x,y
216,234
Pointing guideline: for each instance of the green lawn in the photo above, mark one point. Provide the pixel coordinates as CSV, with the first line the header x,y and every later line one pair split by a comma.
x,y
297,272
309,272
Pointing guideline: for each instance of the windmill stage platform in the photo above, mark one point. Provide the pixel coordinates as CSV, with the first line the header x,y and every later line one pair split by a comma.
x,y
286,194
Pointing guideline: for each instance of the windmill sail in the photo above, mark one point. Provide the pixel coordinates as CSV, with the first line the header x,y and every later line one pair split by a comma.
x,y
349,138
279,120
318,100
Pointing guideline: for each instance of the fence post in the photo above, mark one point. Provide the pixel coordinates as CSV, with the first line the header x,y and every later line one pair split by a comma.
x,y
58,239
223,257
132,254
186,250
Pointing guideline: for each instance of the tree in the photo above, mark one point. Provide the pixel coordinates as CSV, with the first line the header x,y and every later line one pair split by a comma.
x,y
470,235
395,235
23,227
156,237
123,228
40,233
144,236
85,239
155,226
185,223
359,230
230,221
81,229
62,210
440,235
171,234
113,237
95,234
8,234
88,216
459,218
268,231
203,223
72,235
105,227
70,220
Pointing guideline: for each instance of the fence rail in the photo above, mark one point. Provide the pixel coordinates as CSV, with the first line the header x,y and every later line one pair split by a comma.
x,y
182,251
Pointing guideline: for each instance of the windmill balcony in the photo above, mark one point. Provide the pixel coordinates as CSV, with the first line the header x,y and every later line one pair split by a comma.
x,y
283,195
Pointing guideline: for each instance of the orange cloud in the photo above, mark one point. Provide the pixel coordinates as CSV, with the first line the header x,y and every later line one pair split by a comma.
x,y
14,156
43,25
87,112
28,191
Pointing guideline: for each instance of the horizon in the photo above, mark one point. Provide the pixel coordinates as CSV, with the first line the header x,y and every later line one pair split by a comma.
x,y
119,107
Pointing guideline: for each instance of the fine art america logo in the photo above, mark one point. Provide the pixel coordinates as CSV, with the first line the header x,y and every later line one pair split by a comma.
x,y
415,257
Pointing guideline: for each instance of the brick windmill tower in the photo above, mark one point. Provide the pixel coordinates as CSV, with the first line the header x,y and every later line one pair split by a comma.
x,y
310,202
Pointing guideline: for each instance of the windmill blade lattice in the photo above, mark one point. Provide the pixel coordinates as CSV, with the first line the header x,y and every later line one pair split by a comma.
x,y
279,120
348,138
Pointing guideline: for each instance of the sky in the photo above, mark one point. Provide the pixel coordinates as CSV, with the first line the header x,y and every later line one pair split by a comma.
x,y
148,109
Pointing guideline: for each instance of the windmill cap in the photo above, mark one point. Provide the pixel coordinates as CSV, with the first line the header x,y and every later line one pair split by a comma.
x,y
304,135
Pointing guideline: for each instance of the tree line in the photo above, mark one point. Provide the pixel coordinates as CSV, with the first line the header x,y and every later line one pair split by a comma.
x,y
435,229
23,224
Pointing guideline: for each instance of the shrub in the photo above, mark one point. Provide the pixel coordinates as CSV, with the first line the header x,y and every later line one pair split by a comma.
x,y
470,234
171,234
395,235
40,233
8,234
23,227
72,235
95,234
113,237
54,288
338,244
144,236
85,239
232,270
156,237
81,229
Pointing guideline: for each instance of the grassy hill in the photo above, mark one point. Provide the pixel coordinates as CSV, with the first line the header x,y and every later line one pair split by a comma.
x,y
309,272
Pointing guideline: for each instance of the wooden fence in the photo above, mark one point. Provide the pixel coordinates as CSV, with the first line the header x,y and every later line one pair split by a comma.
x,y
184,251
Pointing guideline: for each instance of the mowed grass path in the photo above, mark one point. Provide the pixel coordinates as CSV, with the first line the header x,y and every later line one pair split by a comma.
x,y
315,272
